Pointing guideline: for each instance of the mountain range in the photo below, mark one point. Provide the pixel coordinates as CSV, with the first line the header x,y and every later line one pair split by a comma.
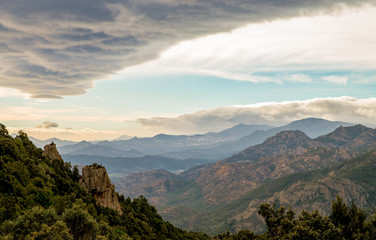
x,y
288,167
162,143
184,151
212,145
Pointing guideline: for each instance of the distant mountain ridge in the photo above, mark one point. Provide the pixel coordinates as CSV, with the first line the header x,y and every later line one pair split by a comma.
x,y
190,150
159,144
212,145
312,127
58,142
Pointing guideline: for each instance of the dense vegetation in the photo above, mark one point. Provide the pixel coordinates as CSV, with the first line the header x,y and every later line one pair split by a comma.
x,y
41,199
344,222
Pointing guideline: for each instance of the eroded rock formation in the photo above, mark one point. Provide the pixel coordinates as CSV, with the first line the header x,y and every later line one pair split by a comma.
x,y
96,181
51,152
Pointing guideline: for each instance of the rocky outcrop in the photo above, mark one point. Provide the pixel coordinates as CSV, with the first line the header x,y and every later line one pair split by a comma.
x,y
96,181
51,152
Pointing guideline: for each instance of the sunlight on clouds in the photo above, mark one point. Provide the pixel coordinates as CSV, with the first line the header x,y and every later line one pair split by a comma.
x,y
8,92
68,115
335,42
22,113
347,109
299,78
69,134
336,79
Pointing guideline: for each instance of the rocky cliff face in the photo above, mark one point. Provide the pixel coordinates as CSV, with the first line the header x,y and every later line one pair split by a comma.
x,y
51,152
96,181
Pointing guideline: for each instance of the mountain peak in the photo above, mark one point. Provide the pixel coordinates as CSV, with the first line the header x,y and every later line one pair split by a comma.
x,y
312,120
290,134
162,136
345,135
285,142
295,137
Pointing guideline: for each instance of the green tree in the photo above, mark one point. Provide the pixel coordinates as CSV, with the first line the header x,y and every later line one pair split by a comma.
x,y
36,223
81,224
314,226
279,222
351,220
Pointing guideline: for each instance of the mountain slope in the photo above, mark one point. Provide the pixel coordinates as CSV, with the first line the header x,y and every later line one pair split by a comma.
x,y
40,198
358,137
285,142
353,180
285,153
289,152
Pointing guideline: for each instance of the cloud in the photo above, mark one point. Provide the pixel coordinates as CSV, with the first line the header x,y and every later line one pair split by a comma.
x,y
47,125
22,113
7,92
336,79
58,48
345,109
297,50
79,115
299,78
87,134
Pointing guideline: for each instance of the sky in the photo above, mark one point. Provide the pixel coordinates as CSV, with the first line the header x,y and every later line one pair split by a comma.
x,y
94,70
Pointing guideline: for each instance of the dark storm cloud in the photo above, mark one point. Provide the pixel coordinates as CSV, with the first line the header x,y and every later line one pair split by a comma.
x,y
53,48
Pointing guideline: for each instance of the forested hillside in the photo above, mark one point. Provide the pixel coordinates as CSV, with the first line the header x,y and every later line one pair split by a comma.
x,y
41,199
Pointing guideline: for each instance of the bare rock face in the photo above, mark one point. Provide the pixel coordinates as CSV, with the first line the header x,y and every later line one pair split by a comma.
x,y
96,181
51,152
